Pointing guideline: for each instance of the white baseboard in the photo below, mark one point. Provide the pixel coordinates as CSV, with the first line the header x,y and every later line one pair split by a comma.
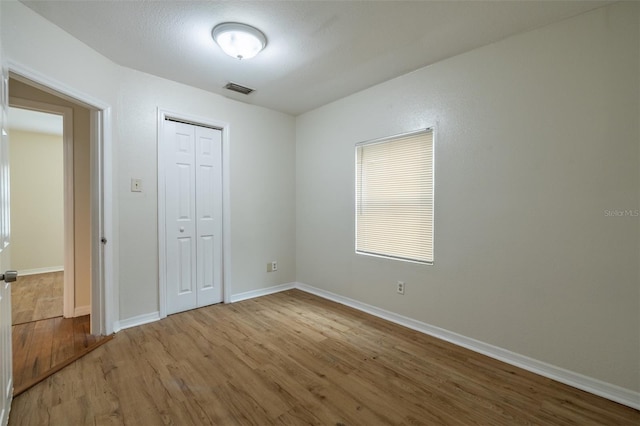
x,y
261,292
23,272
136,321
155,316
80,311
606,390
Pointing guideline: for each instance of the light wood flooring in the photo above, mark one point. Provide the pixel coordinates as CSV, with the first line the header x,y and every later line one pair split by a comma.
x,y
37,297
41,348
291,359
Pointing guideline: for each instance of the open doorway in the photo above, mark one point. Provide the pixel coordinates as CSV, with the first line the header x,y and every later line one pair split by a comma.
x,y
39,231
44,345
76,236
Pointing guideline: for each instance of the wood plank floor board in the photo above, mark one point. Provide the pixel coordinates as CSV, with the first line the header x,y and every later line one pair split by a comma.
x,y
357,360
37,297
421,368
292,358
40,347
39,352
328,406
22,337
28,416
298,416
63,346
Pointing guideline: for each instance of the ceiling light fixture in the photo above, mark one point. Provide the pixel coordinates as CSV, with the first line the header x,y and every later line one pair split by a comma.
x,y
239,41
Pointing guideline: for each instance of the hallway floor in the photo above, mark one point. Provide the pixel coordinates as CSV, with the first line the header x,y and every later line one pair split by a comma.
x,y
44,341
41,348
37,297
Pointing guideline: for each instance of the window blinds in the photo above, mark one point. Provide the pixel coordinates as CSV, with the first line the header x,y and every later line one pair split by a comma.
x,y
394,197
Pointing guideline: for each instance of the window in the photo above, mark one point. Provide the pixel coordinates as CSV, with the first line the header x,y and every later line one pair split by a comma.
x,y
394,197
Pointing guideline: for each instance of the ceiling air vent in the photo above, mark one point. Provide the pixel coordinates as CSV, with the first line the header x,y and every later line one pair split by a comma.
x,y
237,88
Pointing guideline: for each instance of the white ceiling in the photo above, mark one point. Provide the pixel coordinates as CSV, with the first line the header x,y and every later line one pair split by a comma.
x,y
317,52
34,121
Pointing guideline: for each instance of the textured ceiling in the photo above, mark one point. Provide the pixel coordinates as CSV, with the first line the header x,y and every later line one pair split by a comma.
x,y
317,52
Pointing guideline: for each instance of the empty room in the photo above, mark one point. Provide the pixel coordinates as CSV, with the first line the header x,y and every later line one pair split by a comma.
x,y
336,213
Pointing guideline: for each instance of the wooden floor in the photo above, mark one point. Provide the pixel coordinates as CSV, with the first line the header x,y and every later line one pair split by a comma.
x,y
37,297
40,348
292,359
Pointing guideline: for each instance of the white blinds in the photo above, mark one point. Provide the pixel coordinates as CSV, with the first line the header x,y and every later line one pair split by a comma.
x,y
394,197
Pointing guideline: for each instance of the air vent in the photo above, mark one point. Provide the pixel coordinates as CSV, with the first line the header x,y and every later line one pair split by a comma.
x,y
237,88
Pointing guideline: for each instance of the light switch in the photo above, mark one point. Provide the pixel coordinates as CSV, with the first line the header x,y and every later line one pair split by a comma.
x,y
136,185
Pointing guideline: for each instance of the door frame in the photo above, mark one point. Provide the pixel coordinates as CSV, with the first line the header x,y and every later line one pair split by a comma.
x,y
104,294
68,303
164,114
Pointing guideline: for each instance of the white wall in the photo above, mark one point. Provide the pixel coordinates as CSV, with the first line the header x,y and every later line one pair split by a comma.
x,y
262,160
37,202
262,186
537,135
34,43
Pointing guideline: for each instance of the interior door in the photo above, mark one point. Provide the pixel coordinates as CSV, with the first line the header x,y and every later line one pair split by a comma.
x,y
193,191
209,216
6,367
180,214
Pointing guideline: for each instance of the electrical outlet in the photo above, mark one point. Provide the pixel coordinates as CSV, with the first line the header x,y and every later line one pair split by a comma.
x,y
136,185
272,266
400,287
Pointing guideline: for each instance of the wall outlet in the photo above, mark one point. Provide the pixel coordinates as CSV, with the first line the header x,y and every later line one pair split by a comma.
x,y
136,185
272,266
400,287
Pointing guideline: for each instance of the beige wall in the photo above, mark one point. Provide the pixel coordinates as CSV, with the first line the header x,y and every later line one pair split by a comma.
x,y
81,178
37,201
536,138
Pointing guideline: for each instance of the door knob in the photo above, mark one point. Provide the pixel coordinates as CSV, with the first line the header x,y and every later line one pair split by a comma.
x,y
9,276
181,229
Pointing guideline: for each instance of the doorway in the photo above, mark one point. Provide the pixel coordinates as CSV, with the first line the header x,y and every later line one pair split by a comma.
x,y
41,184
45,346
50,216
77,192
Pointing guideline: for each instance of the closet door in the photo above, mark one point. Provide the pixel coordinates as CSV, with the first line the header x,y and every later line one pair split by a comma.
x,y
209,216
180,216
193,214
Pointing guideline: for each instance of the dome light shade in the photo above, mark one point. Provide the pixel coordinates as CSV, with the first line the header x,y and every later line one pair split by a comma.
x,y
239,41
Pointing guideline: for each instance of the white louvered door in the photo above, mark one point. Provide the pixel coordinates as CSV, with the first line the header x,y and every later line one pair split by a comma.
x,y
193,193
